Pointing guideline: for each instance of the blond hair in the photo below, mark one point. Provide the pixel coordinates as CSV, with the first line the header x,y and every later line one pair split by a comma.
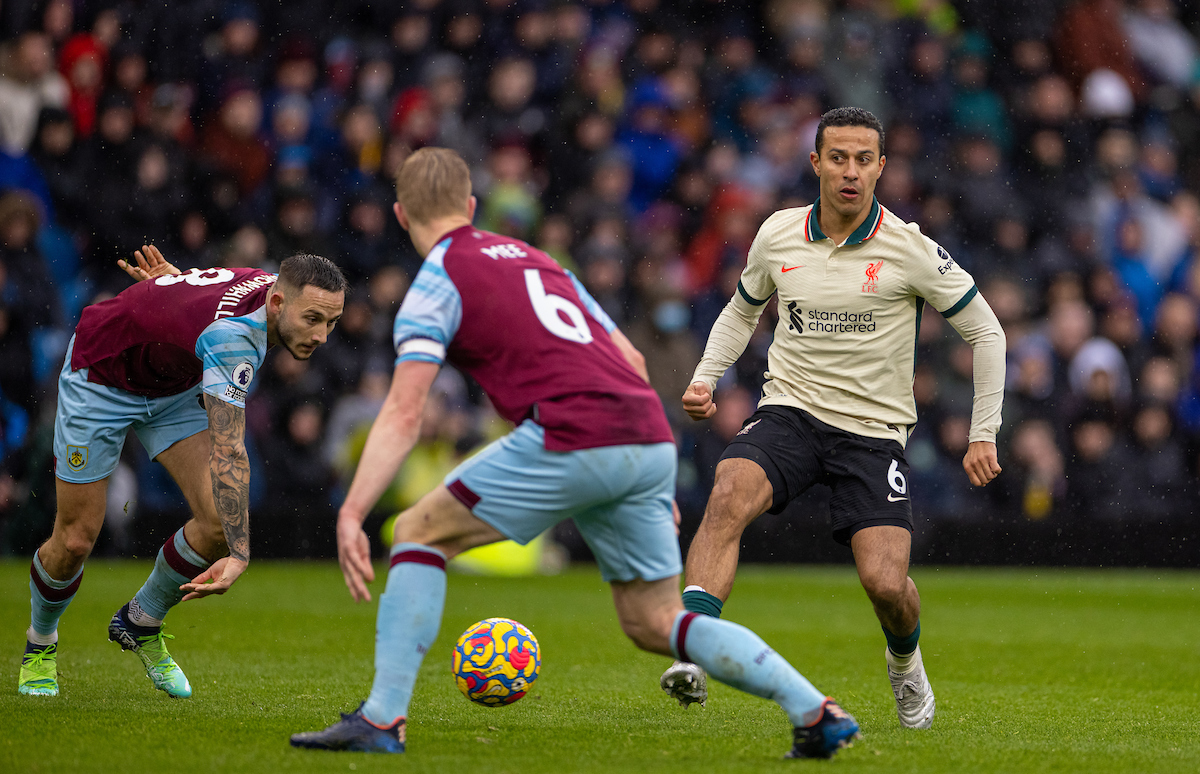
x,y
433,183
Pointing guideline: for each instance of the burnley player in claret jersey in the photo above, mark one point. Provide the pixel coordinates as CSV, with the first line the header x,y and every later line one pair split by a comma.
x,y
173,358
591,444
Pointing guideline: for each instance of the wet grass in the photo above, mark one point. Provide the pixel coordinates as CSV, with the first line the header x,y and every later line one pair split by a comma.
x,y
1034,670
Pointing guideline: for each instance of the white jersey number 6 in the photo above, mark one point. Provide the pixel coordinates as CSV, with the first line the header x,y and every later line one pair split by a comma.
x,y
547,306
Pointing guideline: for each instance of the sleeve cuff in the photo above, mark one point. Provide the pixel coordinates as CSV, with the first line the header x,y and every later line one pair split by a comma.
x,y
421,349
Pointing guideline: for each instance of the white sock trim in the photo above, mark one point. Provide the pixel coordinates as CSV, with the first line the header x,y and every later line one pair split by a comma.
x,y
41,639
693,587
902,665
139,617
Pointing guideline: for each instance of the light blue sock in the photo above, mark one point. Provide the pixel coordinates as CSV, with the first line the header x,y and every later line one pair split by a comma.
x,y
737,656
177,563
410,614
48,598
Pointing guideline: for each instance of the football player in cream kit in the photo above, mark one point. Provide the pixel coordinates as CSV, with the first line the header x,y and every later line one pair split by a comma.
x,y
837,408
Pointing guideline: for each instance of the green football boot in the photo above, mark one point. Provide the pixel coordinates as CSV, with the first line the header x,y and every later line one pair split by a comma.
x,y
151,647
39,670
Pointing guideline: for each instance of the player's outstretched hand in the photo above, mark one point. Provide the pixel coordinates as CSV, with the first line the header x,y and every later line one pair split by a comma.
x,y
981,463
150,264
354,555
698,402
216,579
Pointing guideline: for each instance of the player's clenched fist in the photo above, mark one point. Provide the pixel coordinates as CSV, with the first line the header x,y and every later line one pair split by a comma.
x,y
698,402
981,463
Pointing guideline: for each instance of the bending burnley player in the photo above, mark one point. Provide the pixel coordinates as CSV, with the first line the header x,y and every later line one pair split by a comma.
x,y
837,408
591,443
172,357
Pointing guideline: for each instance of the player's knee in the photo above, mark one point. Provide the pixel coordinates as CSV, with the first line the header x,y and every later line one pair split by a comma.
x,y
77,544
886,589
414,527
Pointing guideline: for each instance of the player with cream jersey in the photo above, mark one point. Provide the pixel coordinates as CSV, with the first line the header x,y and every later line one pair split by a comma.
x,y
852,281
849,314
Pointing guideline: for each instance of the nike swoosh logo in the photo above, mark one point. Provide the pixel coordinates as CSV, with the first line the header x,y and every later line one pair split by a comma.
x,y
786,269
894,499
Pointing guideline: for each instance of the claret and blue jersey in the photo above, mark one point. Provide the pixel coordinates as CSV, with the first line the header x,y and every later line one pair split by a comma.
x,y
141,359
161,337
531,335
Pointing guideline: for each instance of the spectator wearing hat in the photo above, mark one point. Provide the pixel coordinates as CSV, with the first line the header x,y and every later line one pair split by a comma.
x,y
82,62
654,154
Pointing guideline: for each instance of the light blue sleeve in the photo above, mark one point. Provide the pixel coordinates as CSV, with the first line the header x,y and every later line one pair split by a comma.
x,y
431,312
232,350
590,304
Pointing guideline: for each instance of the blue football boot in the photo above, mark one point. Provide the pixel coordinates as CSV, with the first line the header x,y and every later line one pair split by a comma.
x,y
356,734
834,730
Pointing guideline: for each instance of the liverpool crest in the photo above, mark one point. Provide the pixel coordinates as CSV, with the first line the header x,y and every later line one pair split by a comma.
x,y
872,283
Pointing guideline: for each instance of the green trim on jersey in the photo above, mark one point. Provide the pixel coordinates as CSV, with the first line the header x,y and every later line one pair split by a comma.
x,y
812,224
962,302
749,298
865,230
917,336
868,227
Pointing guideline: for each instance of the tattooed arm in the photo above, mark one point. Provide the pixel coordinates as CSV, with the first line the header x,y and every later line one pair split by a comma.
x,y
230,470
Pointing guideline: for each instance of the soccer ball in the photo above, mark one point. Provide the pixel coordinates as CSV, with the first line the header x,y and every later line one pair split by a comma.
x,y
495,661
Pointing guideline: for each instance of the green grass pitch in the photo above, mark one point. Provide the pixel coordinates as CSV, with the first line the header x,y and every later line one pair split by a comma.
x,y
1034,670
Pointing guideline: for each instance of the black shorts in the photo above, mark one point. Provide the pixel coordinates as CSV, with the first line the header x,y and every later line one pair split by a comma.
x,y
868,476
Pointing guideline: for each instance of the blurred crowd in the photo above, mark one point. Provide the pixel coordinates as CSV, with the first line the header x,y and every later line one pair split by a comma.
x,y
1051,146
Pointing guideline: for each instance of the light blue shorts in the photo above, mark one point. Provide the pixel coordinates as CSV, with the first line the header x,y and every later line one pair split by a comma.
x,y
92,420
621,498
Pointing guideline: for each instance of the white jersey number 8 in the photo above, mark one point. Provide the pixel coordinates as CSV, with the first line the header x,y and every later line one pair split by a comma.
x,y
547,306
197,277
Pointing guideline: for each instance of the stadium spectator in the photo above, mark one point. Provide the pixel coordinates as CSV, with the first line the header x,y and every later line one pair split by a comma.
x,y
295,522
1090,37
1162,45
231,142
1070,164
28,83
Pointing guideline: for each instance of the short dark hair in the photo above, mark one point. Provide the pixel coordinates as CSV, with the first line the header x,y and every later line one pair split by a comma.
x,y
849,116
307,269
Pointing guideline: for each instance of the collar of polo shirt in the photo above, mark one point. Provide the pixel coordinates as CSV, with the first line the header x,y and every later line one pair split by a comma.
x,y
867,229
